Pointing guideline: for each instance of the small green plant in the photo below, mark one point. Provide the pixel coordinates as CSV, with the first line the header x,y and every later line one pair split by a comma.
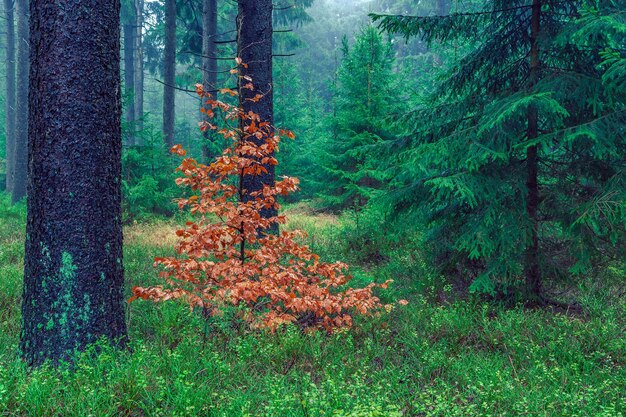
x,y
147,179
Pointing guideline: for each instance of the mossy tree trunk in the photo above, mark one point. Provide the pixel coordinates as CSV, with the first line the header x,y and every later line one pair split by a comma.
x,y
73,284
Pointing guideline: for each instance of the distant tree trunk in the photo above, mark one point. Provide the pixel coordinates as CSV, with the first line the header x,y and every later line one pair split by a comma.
x,y
532,267
10,94
130,33
21,118
169,73
139,71
443,7
254,36
209,63
73,284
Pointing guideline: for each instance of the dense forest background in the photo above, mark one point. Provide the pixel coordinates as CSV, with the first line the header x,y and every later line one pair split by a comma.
x,y
422,124
472,151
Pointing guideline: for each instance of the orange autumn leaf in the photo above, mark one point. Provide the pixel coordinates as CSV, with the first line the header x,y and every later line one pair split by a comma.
x,y
225,256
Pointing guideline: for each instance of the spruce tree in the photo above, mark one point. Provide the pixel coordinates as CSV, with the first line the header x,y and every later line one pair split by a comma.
x,y
364,91
517,161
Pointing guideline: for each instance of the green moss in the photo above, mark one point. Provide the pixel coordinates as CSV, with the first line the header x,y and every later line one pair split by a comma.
x,y
45,252
85,311
64,305
68,269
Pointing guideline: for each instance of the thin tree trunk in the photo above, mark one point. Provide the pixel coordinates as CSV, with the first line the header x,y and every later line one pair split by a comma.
x,y
10,94
73,284
209,64
130,33
169,73
21,117
139,71
532,267
443,7
254,43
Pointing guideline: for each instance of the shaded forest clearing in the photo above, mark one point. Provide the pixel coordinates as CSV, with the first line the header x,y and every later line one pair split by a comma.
x,y
432,358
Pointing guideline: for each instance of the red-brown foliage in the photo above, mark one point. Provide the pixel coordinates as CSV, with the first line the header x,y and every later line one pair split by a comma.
x,y
226,258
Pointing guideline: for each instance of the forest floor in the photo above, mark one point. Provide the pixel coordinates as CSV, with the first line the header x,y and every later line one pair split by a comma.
x,y
430,358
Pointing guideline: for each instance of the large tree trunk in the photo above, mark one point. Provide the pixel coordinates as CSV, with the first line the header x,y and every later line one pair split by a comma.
x,y
532,268
139,71
209,64
130,33
20,151
10,94
169,73
254,43
73,284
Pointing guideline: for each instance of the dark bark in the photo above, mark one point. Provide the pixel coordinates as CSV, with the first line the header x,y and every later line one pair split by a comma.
x,y
209,65
532,269
130,33
73,284
10,93
169,73
139,71
254,43
20,148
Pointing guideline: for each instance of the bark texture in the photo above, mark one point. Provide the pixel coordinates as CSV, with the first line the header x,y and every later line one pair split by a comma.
x,y
254,42
532,267
169,73
209,65
10,93
73,284
20,146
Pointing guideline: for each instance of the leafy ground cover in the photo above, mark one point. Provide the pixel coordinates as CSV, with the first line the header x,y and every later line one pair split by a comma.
x,y
459,357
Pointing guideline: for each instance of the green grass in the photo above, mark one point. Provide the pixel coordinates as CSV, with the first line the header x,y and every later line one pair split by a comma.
x,y
462,358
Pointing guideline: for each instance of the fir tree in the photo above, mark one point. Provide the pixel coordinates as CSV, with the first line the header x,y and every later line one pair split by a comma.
x,y
363,99
518,158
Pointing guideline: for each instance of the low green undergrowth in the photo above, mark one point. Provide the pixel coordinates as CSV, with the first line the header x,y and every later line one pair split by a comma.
x,y
452,358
